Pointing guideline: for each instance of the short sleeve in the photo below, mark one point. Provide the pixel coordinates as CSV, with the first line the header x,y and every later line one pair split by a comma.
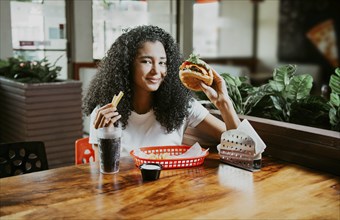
x,y
93,131
197,113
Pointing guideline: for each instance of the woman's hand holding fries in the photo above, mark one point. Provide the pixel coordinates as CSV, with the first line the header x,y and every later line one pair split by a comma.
x,y
108,115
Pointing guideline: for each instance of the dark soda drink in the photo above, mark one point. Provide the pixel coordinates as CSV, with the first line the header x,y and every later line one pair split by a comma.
x,y
109,152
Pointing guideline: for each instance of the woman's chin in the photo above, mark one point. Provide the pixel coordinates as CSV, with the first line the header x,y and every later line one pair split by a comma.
x,y
152,87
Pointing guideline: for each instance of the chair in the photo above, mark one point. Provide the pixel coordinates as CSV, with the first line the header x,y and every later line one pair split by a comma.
x,y
22,157
83,151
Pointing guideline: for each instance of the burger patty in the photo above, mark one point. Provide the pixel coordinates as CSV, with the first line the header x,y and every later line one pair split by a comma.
x,y
196,68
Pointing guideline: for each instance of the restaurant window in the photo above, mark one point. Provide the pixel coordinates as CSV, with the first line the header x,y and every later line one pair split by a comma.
x,y
39,30
112,17
206,24
222,28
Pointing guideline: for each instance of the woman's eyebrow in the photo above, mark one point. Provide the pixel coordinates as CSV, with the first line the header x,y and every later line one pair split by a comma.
x,y
150,57
144,56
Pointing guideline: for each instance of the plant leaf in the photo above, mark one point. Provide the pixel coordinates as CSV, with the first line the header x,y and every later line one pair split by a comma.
x,y
276,86
334,83
337,71
283,74
277,103
299,87
334,117
255,96
232,84
231,80
335,100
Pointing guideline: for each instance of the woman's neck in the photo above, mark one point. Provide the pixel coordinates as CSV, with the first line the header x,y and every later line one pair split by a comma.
x,y
142,103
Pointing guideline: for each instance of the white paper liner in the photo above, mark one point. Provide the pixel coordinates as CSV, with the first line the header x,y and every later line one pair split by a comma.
x,y
246,128
194,151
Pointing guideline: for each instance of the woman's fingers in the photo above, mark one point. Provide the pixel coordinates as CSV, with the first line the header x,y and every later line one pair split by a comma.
x,y
217,91
105,116
111,114
209,91
218,81
216,75
113,120
212,91
100,114
219,84
101,124
98,119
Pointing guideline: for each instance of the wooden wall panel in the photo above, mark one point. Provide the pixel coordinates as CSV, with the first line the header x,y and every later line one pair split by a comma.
x,y
48,112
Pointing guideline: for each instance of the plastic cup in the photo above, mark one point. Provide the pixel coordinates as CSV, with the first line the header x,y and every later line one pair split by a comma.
x,y
150,171
109,149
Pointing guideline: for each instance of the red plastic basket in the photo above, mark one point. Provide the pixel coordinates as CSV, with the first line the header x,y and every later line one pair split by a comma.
x,y
169,163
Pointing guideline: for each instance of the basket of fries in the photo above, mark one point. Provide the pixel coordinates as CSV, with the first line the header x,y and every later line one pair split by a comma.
x,y
168,156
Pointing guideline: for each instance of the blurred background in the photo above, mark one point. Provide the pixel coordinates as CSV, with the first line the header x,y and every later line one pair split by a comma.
x,y
241,37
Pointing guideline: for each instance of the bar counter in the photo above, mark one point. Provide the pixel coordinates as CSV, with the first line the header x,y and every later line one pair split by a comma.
x,y
214,190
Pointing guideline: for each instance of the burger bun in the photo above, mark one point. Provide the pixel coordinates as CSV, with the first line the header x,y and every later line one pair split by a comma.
x,y
192,79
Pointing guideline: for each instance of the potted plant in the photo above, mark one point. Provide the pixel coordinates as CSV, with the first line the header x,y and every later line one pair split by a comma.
x,y
38,106
295,125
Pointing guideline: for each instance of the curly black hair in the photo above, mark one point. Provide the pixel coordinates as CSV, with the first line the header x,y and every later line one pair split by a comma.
x,y
115,73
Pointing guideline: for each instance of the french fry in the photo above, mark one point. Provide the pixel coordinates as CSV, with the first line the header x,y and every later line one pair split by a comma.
x,y
113,99
116,99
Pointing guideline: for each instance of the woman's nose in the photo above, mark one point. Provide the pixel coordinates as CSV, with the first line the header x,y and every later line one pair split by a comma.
x,y
156,69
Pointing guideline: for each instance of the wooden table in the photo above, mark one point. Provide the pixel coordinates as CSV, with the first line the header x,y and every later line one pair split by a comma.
x,y
212,191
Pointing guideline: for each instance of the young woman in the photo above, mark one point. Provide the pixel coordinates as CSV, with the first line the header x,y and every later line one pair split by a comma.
x,y
156,108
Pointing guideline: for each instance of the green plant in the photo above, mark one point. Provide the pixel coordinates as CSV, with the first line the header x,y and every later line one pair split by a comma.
x,y
291,97
286,97
334,101
26,71
243,95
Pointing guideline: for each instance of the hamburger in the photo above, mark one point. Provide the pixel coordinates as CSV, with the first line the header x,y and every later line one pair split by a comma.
x,y
193,71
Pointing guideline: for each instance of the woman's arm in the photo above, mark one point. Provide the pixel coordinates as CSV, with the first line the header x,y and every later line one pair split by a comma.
x,y
228,113
218,95
212,127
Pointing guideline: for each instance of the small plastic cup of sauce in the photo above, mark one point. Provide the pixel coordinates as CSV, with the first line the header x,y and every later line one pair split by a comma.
x,y
150,171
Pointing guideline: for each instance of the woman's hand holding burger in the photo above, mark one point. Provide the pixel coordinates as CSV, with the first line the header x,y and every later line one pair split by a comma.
x,y
217,92
212,84
197,75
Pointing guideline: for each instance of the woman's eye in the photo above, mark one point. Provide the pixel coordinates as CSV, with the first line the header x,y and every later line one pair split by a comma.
x,y
162,63
146,61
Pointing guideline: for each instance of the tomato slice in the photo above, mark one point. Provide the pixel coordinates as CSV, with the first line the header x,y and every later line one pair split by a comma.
x,y
185,63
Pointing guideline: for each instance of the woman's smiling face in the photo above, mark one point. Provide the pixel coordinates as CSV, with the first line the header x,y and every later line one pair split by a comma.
x,y
149,67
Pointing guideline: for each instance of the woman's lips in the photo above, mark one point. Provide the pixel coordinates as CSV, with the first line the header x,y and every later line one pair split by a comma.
x,y
154,80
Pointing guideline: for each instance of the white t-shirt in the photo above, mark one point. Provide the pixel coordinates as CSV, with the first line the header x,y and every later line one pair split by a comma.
x,y
144,130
